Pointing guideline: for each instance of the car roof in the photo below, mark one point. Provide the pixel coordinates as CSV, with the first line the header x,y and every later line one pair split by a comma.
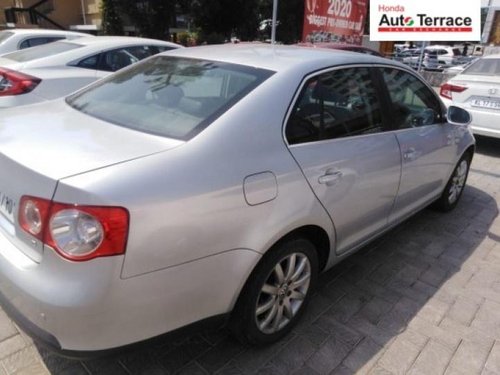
x,y
341,46
279,57
331,45
43,31
120,40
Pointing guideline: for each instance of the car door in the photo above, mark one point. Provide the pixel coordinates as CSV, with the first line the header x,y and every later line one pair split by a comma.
x,y
427,142
336,133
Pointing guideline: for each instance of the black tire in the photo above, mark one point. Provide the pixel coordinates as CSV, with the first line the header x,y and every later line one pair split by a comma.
x,y
247,324
455,186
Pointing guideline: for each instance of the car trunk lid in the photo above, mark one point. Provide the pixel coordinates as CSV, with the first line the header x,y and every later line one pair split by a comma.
x,y
477,88
43,143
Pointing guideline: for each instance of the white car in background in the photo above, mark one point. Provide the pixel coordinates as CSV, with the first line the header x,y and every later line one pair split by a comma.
x,y
57,69
437,57
15,39
477,89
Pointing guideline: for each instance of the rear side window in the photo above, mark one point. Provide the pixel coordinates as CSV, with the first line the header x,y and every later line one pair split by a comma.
x,y
169,96
33,42
413,103
120,58
39,52
89,62
484,67
111,61
337,104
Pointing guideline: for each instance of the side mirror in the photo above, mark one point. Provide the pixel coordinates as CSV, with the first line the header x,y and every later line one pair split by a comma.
x,y
458,116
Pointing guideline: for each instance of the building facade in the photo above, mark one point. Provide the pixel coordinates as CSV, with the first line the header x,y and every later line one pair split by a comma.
x,y
67,14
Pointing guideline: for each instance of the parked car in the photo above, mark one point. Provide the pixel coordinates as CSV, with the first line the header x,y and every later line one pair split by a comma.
x,y
437,57
456,69
15,39
477,89
57,69
343,47
429,60
212,182
401,55
446,55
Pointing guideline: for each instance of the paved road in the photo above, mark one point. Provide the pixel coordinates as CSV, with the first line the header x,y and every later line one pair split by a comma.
x,y
424,299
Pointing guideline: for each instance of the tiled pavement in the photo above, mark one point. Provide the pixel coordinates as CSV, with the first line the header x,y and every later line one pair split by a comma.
x,y
425,299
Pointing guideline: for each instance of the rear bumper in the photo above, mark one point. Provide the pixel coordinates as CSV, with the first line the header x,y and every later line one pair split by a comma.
x,y
49,341
41,336
485,122
86,307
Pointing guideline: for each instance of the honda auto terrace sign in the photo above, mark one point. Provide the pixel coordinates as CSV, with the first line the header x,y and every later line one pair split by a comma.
x,y
436,20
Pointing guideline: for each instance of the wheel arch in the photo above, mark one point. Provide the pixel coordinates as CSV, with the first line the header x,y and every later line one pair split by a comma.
x,y
470,150
313,233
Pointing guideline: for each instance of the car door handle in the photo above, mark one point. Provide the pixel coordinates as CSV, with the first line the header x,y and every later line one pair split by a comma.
x,y
410,154
330,178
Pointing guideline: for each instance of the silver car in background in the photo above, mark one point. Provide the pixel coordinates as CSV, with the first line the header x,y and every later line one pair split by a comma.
x,y
212,181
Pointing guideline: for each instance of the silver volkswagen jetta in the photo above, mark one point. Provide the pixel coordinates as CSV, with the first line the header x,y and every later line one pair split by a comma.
x,y
212,181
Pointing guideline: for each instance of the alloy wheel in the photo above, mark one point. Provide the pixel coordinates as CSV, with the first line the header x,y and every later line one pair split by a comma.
x,y
283,293
458,181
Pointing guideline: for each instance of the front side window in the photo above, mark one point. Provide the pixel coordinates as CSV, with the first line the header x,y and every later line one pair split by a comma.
x,y
413,103
169,96
337,104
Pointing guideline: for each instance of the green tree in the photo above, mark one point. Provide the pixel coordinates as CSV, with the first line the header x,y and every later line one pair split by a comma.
x,y
111,19
227,17
152,18
290,18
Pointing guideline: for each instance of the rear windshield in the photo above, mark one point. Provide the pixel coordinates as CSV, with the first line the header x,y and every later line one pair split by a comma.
x,y
169,96
39,52
484,67
4,35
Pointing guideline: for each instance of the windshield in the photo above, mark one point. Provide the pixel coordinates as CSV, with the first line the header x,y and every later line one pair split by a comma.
x,y
484,67
4,35
169,96
38,52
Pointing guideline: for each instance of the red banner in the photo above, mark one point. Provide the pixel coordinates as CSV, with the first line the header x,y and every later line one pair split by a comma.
x,y
336,21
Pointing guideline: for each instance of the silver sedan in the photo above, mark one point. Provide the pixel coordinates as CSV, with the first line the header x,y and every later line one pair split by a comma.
x,y
212,182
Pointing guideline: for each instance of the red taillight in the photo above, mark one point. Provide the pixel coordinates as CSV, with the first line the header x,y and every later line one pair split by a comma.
x,y
16,83
76,232
448,89
33,213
